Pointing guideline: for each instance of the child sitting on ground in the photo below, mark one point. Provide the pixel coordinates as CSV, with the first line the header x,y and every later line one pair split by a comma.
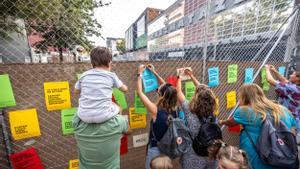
x,y
161,162
96,86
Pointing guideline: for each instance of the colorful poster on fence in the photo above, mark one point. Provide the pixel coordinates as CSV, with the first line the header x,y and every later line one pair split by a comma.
x,y
66,120
281,70
120,98
213,76
57,95
150,82
249,75
217,112
231,99
78,75
24,124
124,145
140,140
264,82
7,98
172,80
136,120
26,159
189,90
235,129
139,106
74,164
232,73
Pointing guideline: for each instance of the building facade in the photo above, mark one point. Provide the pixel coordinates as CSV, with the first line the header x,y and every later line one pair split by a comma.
x,y
112,43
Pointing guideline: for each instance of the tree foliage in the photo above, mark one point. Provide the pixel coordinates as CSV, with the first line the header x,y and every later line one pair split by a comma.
x,y
121,46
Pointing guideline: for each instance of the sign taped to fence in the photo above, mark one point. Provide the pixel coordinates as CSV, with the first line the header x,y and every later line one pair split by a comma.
x,y
231,99
139,106
264,82
185,76
73,164
140,140
232,73
7,98
26,159
281,70
150,82
66,120
213,76
217,111
124,145
249,75
120,98
189,90
24,124
57,95
172,80
136,120
78,75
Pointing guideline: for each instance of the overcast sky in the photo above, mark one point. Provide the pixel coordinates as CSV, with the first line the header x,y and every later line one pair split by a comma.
x,y
120,14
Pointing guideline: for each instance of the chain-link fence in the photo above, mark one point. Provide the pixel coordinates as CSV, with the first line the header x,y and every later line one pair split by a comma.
x,y
46,41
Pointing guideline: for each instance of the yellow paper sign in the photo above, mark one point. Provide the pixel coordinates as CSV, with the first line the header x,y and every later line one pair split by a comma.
x,y
57,95
216,113
231,99
24,124
73,164
136,120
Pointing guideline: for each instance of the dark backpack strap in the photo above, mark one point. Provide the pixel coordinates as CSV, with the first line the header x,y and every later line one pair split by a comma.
x,y
151,129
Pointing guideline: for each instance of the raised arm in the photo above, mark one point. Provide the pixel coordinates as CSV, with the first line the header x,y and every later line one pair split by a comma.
x,y
150,106
278,75
269,76
160,79
190,73
180,94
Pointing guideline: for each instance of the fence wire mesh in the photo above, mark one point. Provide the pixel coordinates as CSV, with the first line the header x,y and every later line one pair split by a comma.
x,y
45,41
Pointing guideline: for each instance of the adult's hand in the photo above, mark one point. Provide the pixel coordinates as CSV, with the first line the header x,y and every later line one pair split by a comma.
x,y
141,69
151,68
188,71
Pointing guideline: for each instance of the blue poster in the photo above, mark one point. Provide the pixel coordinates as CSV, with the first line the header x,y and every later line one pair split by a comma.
x,y
281,70
213,76
249,75
150,82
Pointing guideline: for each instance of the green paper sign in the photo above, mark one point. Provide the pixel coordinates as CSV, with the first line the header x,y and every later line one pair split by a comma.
x,y
264,82
78,76
7,98
66,120
232,73
139,106
120,98
189,90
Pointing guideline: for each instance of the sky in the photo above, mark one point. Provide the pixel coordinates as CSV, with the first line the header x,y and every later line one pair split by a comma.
x,y
120,14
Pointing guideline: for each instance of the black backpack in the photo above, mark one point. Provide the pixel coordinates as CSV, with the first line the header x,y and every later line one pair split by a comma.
x,y
276,145
208,132
176,141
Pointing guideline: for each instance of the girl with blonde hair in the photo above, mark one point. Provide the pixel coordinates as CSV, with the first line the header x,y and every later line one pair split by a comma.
x,y
253,110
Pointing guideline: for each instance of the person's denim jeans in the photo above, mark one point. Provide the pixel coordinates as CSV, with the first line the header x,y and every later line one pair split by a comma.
x,y
151,153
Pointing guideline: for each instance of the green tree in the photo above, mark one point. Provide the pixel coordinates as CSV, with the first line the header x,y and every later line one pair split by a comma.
x,y
121,46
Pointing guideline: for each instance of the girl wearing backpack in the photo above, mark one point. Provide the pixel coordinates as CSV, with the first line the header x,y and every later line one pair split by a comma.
x,y
202,106
253,110
159,111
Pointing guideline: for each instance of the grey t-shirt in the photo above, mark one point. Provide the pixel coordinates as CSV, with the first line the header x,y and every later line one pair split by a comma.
x,y
95,102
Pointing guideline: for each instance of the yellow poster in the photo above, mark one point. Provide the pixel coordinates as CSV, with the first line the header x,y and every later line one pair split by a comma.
x,y
57,95
231,99
24,124
216,113
136,120
73,164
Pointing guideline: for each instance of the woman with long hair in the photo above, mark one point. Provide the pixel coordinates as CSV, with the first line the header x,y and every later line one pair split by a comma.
x,y
159,111
253,110
202,106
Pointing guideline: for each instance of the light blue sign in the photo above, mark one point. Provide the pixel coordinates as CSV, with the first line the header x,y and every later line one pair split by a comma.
x,y
150,82
281,70
249,75
213,76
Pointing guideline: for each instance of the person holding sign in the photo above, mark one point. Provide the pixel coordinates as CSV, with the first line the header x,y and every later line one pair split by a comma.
x,y
98,127
159,111
202,106
253,110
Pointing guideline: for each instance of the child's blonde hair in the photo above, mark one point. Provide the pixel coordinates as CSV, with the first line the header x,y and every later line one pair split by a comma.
x,y
235,155
161,162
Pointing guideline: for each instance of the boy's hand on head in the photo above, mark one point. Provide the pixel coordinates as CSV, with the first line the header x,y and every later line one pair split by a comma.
x,y
141,69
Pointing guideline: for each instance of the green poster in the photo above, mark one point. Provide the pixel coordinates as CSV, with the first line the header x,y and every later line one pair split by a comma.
x,y
189,90
78,76
139,106
264,82
232,73
7,98
120,98
66,120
